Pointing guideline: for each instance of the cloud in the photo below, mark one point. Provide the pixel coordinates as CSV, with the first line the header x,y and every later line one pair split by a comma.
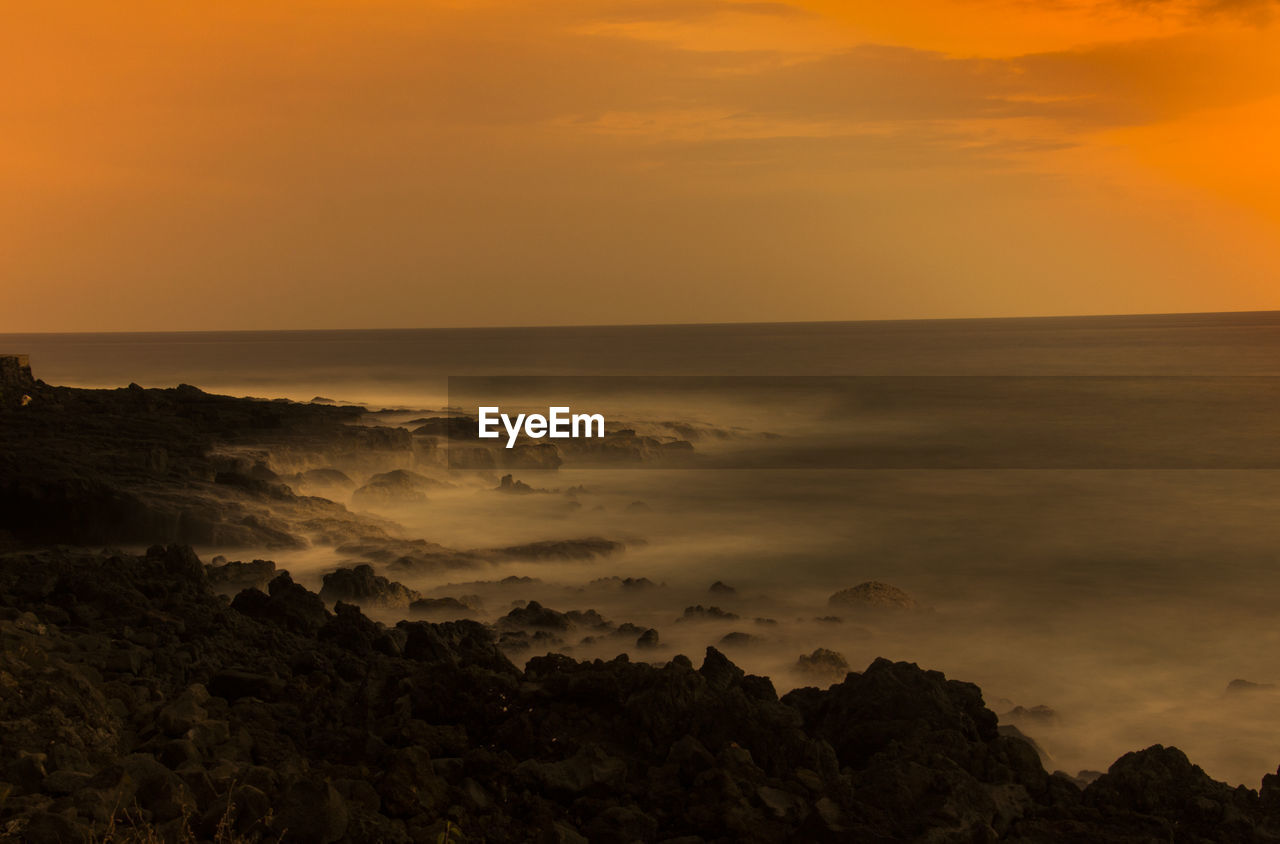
x,y
672,10
1255,12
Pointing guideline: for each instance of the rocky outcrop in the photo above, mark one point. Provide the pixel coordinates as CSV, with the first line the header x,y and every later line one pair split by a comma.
x,y
822,664
136,699
399,486
440,608
234,577
17,386
361,586
139,466
700,613
872,595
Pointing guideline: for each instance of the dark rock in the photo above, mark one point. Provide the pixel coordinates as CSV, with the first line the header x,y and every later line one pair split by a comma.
x,y
822,663
873,594
232,684
1161,783
52,828
627,583
231,578
701,613
362,587
511,486
399,486
1035,716
721,588
535,614
288,605
440,608
311,812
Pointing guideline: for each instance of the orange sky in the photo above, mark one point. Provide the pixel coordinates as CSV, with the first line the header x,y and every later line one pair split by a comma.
x,y
394,163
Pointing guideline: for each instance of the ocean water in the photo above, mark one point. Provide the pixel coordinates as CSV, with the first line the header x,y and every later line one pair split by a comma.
x,y
1124,599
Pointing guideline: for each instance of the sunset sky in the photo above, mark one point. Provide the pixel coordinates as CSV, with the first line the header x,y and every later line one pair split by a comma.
x,y
386,163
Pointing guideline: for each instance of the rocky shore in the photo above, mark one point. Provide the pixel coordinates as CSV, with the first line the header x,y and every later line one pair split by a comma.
x,y
160,697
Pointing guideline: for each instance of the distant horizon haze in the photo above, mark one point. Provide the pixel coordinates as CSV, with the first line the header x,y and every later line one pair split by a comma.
x,y
5,330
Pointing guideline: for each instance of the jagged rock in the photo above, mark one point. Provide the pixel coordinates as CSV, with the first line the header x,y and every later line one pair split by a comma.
x,y
16,382
648,639
721,588
1162,783
822,664
128,681
1035,716
399,486
288,605
362,587
231,578
415,555
701,613
535,614
873,594
628,583
441,608
511,486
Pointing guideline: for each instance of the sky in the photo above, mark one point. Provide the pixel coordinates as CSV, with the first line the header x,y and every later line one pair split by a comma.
x,y
420,163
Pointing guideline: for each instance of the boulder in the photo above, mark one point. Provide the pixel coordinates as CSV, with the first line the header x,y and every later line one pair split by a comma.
x,y
362,587
873,595
822,664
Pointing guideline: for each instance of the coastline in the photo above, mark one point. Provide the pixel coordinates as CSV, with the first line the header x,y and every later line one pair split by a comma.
x,y
159,693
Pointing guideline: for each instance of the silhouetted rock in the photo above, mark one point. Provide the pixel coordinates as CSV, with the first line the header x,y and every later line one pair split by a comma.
x,y
1035,716
275,718
361,586
287,604
440,608
535,614
628,583
722,588
822,664
589,548
511,486
230,578
332,478
399,486
873,594
1161,784
701,613
16,382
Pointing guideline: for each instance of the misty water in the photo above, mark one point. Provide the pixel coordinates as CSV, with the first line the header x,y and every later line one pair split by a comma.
x,y
1124,599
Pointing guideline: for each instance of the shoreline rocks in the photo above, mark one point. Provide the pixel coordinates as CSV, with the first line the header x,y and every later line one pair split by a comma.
x,y
134,684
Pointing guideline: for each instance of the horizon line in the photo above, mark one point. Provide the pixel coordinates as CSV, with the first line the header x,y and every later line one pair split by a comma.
x,y
652,324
